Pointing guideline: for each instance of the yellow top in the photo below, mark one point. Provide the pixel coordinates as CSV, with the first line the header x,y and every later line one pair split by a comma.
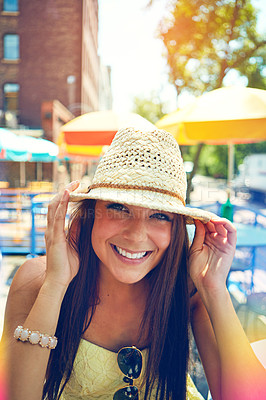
x,y
96,375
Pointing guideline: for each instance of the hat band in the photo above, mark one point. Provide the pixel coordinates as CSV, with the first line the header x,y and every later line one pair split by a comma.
x,y
136,187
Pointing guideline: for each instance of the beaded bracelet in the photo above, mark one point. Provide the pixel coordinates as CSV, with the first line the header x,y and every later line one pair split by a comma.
x,y
35,337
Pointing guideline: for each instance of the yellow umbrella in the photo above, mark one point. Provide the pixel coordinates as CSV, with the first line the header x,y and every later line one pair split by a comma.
x,y
227,115
173,123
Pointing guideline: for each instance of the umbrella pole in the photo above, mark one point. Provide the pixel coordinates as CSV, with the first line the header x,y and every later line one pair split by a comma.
x,y
22,168
39,171
231,156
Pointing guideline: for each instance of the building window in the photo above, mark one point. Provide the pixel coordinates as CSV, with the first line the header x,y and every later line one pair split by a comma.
x,y
10,5
11,92
11,47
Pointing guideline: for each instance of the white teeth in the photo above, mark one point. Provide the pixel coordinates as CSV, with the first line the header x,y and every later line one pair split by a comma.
x,y
130,255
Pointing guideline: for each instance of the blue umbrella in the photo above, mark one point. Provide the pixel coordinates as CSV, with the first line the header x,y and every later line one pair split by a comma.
x,y
40,149
11,147
25,148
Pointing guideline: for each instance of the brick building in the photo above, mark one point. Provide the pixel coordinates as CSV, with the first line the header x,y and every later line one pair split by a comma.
x,y
48,52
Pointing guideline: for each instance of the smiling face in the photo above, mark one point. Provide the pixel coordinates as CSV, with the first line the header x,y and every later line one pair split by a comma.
x,y
128,240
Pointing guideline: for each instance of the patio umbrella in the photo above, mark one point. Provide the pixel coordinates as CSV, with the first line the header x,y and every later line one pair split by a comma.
x,y
174,123
87,134
40,149
227,115
25,148
21,148
11,148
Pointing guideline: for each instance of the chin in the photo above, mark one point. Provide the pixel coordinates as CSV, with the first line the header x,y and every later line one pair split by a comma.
x,y
129,278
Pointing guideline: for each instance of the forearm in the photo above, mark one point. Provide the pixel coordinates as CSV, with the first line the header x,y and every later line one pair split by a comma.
x,y
206,345
242,376
27,363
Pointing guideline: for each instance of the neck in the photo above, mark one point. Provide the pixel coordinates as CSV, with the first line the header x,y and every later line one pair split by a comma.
x,y
117,319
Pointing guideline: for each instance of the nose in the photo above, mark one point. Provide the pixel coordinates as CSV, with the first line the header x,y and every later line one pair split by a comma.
x,y
135,230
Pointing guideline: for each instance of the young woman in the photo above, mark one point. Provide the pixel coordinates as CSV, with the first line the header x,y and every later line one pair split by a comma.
x,y
118,290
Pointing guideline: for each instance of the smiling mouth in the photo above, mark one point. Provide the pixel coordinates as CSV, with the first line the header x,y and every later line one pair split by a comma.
x,y
132,256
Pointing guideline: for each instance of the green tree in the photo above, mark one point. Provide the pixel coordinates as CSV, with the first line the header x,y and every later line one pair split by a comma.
x,y
243,150
150,108
204,41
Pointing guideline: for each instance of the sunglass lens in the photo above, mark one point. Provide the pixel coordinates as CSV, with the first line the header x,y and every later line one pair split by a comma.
x,y
130,362
129,392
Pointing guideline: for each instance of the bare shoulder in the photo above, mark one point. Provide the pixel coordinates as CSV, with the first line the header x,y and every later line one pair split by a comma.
x,y
30,275
24,290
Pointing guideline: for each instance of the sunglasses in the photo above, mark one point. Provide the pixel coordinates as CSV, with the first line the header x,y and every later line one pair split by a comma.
x,y
129,360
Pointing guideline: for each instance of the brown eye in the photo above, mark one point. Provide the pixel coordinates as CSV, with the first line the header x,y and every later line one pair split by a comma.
x,y
161,217
117,207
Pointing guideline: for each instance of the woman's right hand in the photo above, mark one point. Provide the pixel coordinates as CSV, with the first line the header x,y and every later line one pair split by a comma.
x,y
62,260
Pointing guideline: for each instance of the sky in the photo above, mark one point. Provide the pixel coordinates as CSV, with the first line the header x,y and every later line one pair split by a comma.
x,y
128,43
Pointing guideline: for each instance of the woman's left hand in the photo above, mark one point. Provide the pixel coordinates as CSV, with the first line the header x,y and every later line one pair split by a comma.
x,y
212,253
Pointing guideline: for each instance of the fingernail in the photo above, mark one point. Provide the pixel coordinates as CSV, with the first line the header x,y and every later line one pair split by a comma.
x,y
72,183
65,195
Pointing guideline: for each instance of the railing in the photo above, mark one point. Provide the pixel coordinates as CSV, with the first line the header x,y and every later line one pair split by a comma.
x,y
22,222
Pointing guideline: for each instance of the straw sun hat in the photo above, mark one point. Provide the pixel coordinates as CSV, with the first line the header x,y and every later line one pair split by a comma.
x,y
143,168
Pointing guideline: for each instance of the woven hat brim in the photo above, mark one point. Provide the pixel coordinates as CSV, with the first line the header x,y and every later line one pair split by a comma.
x,y
147,199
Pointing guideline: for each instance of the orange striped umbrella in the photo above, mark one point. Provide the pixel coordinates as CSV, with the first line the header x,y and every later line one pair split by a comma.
x,y
87,134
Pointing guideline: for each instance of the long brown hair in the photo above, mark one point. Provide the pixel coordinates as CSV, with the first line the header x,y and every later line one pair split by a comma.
x,y
166,315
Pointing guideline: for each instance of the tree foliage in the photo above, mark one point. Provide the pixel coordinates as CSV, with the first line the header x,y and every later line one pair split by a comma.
x,y
205,39
214,159
150,108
